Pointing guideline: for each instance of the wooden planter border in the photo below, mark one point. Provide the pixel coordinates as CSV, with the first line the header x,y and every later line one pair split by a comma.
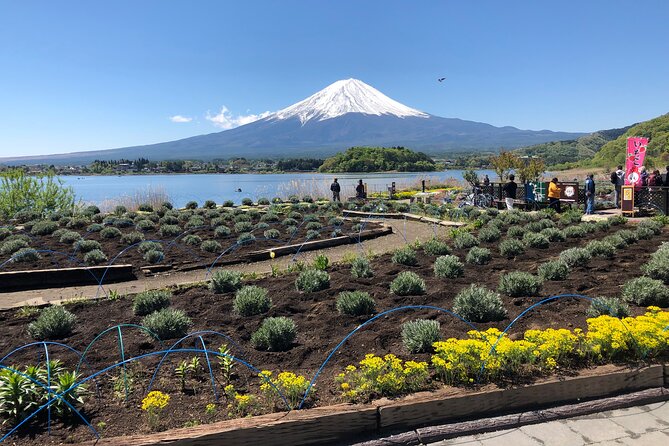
x,y
324,425
58,277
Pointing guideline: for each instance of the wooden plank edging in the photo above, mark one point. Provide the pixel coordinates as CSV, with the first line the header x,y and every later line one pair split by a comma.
x,y
322,425
57,277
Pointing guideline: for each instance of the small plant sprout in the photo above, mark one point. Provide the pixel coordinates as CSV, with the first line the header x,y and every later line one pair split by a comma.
x,y
181,372
226,362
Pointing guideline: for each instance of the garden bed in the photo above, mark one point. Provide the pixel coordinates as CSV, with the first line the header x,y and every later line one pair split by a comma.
x,y
320,327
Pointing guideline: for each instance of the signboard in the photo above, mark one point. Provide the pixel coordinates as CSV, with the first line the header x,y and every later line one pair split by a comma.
x,y
536,191
627,199
568,192
636,152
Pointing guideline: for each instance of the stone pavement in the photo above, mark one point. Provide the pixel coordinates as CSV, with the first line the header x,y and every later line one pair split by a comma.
x,y
646,425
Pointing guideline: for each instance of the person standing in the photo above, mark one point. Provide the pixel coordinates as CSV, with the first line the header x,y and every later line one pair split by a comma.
x,y
617,187
486,180
554,195
360,190
666,177
335,188
510,191
644,176
590,194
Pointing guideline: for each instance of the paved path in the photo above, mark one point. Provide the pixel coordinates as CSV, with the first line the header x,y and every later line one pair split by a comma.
x,y
403,231
646,425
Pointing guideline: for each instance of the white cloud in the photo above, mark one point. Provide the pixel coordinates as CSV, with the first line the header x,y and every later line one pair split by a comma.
x,y
179,118
225,120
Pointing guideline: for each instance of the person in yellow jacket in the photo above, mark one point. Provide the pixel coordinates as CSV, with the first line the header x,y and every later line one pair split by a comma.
x,y
554,195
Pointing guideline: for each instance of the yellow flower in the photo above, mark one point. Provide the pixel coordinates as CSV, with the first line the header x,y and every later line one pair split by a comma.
x,y
272,254
155,400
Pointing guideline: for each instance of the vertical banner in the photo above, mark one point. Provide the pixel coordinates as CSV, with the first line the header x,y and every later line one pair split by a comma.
x,y
636,152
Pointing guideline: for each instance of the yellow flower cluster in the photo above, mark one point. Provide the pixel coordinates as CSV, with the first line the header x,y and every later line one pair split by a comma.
x,y
384,376
292,386
155,400
239,404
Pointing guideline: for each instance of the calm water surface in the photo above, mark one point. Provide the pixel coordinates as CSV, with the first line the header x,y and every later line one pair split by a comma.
x,y
220,187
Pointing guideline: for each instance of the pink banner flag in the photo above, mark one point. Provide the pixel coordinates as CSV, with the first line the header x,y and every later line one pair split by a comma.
x,y
636,152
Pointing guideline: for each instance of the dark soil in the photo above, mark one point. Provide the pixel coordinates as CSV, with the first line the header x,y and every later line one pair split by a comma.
x,y
320,329
177,254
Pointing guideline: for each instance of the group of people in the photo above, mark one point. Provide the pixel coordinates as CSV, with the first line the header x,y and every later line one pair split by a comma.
x,y
653,179
335,187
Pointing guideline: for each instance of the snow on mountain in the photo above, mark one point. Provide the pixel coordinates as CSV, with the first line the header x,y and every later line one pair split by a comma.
x,y
345,96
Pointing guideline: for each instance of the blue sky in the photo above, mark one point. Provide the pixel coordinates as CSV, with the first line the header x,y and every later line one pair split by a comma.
x,y
84,75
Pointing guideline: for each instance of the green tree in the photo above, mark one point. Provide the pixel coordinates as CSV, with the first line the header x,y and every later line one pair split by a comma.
x,y
504,163
42,194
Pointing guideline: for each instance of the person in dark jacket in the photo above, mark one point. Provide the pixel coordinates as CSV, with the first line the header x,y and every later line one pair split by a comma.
x,y
590,194
360,190
335,188
510,189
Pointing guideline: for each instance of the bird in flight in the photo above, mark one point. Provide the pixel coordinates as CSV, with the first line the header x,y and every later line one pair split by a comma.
x,y
441,79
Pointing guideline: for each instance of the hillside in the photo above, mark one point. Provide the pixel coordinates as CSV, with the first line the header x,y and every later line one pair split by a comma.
x,y
378,159
583,148
656,130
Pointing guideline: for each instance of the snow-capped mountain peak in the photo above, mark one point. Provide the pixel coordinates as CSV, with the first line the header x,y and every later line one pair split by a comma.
x,y
345,96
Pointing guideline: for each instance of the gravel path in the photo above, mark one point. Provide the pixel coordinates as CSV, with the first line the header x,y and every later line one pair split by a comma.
x,y
403,231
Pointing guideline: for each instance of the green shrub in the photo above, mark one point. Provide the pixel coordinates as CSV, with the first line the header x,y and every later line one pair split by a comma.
x,y
510,248
576,256
95,227
132,237
534,227
192,240
69,237
147,302
644,233
221,232
170,230
272,234
448,267
658,266
243,226
519,283
263,201
95,257
275,334
145,207
419,335
479,304
553,234
311,280
617,241
603,225
4,233
478,256
44,227
609,306
405,256
228,204
110,233
12,246
628,235
224,281
153,256
321,262
360,268
553,270
211,246
191,205
87,245
168,323
653,225
251,300
536,240
169,220
589,227
246,238
312,234
242,217
247,202
209,204
644,291
407,283
122,222
355,303
195,222
516,232
617,220
600,248
25,255
289,222
52,323
313,225
490,234
464,240
145,247
436,247
291,230
269,217
574,231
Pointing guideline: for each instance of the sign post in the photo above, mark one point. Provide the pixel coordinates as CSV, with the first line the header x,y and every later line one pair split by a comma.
x,y
627,200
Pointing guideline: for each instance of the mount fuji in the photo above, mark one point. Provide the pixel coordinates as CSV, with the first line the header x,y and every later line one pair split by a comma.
x,y
344,114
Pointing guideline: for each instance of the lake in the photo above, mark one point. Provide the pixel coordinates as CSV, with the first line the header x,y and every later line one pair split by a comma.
x,y
106,191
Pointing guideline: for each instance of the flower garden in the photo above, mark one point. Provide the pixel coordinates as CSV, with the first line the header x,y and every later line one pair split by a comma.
x,y
506,299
